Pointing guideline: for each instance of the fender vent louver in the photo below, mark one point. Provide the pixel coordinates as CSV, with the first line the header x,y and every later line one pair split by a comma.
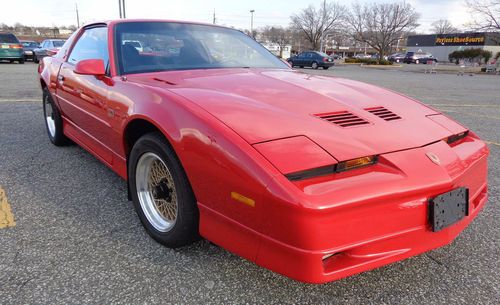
x,y
383,113
342,118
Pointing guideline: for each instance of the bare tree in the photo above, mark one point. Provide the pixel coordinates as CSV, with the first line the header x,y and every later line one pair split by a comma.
x,y
278,35
315,22
485,14
381,25
443,26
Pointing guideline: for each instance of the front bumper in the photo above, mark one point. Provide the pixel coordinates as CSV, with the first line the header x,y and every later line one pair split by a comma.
x,y
341,232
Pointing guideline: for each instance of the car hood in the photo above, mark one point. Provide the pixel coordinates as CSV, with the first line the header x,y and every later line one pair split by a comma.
x,y
265,105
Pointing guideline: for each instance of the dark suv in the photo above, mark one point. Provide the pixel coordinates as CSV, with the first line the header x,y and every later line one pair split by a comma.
x,y
311,59
418,58
10,48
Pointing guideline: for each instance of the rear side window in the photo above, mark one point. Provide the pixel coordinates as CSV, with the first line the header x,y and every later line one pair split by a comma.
x,y
92,44
58,43
8,38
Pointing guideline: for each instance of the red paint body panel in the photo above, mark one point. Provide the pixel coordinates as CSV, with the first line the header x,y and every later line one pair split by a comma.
x,y
305,154
242,129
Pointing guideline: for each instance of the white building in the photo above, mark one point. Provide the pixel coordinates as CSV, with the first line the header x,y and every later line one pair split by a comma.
x,y
275,49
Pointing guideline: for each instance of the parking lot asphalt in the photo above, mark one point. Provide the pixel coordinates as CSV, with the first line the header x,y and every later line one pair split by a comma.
x,y
77,239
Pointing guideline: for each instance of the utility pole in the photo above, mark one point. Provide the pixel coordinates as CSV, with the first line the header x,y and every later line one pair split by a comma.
x,y
251,23
77,17
213,21
123,7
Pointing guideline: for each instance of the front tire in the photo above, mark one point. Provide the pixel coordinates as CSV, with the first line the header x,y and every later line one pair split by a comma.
x,y
161,193
325,68
21,61
53,120
314,65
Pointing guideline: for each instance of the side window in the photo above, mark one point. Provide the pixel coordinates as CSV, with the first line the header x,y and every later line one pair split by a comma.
x,y
44,44
92,44
302,55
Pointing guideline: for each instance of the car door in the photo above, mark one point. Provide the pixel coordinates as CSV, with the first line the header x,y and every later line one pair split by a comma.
x,y
83,98
40,51
309,59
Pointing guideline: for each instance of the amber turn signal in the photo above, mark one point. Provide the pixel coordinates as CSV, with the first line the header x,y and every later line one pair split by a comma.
x,y
243,199
355,163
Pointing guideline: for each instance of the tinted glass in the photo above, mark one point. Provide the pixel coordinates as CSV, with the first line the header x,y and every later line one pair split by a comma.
x,y
8,38
92,44
30,44
180,46
58,43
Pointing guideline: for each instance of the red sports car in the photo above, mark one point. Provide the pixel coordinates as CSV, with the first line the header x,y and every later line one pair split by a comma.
x,y
316,178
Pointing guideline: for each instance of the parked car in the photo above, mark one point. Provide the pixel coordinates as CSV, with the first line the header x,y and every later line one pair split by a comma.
x,y
362,56
396,57
48,47
418,58
313,59
10,48
335,56
313,177
135,43
29,46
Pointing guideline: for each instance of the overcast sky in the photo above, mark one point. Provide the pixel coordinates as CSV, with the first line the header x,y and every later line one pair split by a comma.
x,y
228,12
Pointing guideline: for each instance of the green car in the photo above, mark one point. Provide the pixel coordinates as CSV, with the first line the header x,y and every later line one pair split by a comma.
x,y
10,48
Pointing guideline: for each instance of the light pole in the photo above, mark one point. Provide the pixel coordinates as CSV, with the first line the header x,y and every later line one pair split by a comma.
x,y
121,8
251,23
77,17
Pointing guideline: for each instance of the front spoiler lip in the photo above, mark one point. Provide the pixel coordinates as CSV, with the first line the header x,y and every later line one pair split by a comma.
x,y
358,257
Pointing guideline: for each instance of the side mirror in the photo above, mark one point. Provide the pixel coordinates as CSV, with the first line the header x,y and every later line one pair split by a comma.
x,y
90,67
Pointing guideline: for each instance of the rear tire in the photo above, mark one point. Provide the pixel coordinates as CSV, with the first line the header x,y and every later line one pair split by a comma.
x,y
325,68
35,59
53,120
161,193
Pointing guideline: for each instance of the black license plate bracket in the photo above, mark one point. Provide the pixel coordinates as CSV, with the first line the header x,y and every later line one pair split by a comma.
x,y
449,208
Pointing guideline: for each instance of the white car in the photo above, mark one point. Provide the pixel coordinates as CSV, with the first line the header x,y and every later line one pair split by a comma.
x,y
135,43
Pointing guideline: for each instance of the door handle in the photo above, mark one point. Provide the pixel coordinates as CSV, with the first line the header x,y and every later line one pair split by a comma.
x,y
60,78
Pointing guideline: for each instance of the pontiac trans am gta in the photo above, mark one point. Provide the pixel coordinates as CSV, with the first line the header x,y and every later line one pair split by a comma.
x,y
316,178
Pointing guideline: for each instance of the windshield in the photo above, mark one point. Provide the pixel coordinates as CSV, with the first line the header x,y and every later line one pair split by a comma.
x,y
8,38
58,43
180,46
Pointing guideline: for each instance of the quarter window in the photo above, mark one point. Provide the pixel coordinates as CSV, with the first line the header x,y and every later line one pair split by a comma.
x,y
92,44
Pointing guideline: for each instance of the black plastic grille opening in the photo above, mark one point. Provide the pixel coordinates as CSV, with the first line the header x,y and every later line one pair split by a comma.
x,y
383,113
342,119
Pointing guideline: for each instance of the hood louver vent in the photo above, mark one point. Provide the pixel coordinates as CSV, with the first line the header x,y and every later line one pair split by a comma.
x,y
342,118
383,113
